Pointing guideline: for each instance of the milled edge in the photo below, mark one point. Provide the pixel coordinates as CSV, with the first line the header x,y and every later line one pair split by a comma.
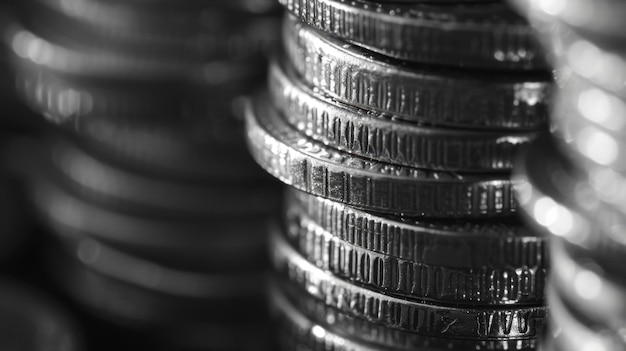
x,y
494,38
493,244
363,183
298,326
438,283
350,75
379,137
400,314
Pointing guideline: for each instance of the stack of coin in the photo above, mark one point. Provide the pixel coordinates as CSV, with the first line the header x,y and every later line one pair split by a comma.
x,y
145,180
396,127
574,179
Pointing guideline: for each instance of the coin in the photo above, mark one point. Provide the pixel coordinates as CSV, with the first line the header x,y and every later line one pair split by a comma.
x,y
438,276
422,318
348,333
385,139
496,243
487,35
363,183
439,96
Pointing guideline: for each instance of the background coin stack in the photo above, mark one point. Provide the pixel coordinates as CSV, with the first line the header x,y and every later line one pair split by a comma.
x,y
574,179
396,126
157,211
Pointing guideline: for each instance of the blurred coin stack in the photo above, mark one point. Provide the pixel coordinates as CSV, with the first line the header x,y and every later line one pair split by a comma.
x,y
146,180
396,126
574,180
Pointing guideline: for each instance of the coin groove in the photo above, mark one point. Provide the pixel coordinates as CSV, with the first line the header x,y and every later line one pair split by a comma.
x,y
424,281
479,35
377,136
301,163
397,313
431,95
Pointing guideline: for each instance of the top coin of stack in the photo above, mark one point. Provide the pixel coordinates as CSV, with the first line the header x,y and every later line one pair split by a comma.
x,y
396,126
577,195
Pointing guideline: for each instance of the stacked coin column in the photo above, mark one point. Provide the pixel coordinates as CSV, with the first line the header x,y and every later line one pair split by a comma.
x,y
396,126
575,178
145,181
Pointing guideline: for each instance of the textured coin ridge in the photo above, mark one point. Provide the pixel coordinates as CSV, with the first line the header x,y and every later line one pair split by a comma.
x,y
424,281
500,243
363,183
379,137
299,323
401,314
479,35
431,95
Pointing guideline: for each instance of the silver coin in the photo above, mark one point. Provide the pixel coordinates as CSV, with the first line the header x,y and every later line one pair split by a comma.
x,y
363,183
432,95
438,274
311,284
344,333
492,244
479,35
383,138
